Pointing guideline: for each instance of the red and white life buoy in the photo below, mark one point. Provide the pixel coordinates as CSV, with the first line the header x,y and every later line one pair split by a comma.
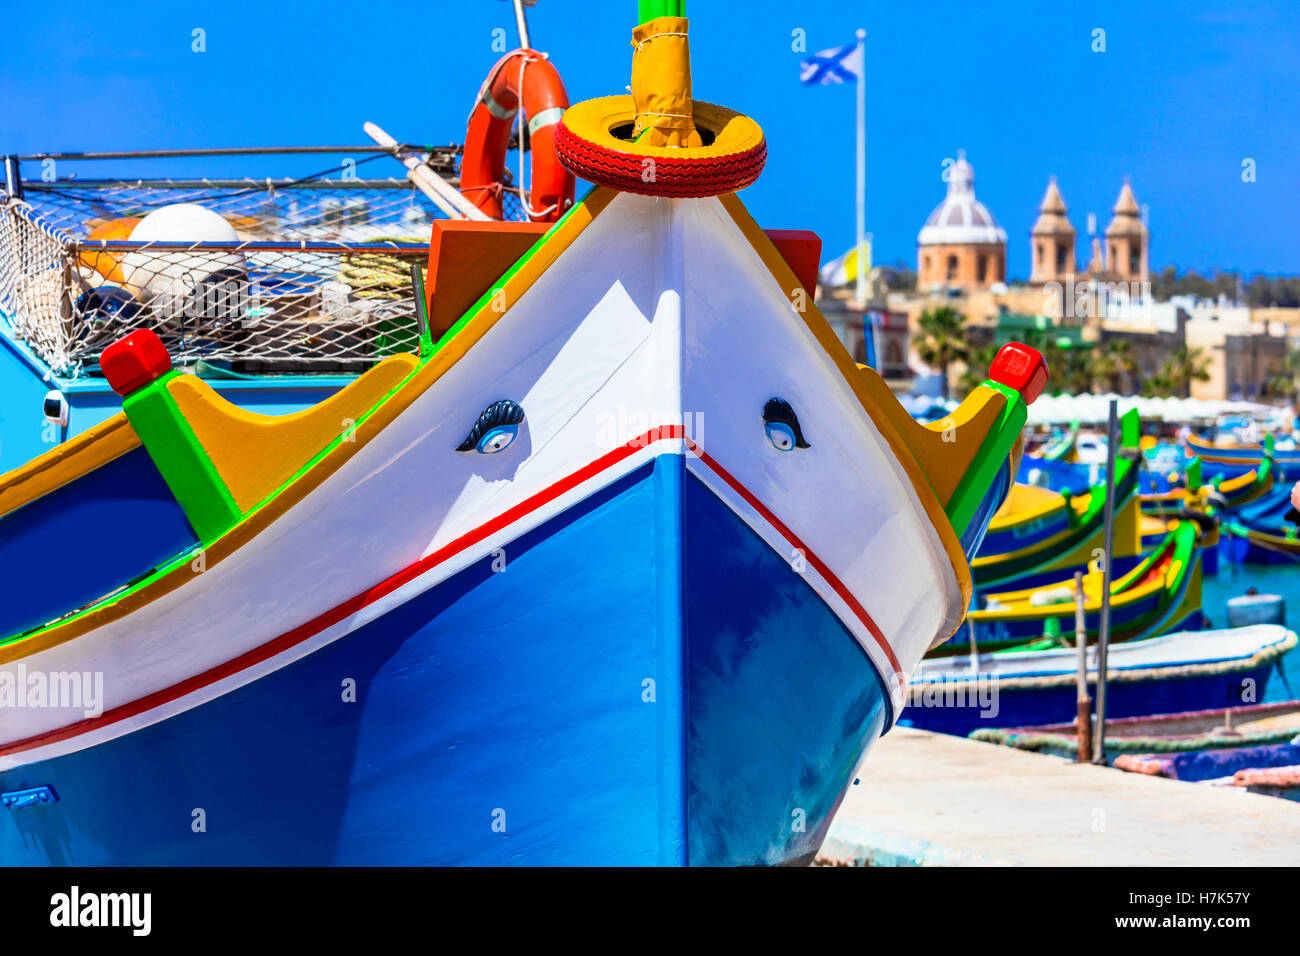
x,y
521,79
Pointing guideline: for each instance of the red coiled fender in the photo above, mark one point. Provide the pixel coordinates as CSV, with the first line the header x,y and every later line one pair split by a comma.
x,y
520,78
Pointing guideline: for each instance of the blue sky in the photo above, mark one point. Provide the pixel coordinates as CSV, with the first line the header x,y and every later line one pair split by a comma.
x,y
1183,93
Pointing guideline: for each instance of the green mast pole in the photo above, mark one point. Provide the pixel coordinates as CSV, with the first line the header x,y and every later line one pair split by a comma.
x,y
647,10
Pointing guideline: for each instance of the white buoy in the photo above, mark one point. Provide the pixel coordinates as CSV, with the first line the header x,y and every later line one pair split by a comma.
x,y
202,284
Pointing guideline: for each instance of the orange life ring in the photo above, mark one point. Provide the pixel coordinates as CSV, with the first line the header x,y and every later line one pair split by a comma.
x,y
522,78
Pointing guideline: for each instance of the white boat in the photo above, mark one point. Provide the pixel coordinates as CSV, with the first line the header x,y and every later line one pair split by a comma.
x,y
1187,670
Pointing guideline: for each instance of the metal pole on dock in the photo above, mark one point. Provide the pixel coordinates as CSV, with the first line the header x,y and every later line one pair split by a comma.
x,y
1103,635
1084,721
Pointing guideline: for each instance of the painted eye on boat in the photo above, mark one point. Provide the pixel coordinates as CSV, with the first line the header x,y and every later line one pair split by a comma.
x,y
496,428
782,425
498,439
780,435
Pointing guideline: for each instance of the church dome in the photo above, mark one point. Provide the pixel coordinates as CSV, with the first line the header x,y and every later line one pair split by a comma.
x,y
961,218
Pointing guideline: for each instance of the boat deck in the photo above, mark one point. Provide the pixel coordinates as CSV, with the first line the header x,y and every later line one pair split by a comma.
x,y
931,799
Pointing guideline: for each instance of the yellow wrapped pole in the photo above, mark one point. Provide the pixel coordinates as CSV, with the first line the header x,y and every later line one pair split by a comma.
x,y
661,84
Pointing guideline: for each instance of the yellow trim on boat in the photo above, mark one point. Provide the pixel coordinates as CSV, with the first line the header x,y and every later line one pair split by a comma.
x,y
255,454
65,463
1128,542
1026,503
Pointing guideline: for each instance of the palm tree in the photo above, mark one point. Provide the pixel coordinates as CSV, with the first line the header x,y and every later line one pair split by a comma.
x,y
943,340
1188,364
1114,364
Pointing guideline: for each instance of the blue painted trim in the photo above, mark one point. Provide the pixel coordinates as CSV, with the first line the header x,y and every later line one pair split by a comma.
x,y
86,539
670,682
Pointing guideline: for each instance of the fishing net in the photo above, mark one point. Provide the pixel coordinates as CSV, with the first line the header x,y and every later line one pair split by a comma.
x,y
310,275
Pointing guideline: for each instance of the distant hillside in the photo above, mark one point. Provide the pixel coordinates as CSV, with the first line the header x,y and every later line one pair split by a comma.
x,y
1258,290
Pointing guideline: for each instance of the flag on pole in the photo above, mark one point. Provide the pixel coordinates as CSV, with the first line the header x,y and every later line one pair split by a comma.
x,y
842,64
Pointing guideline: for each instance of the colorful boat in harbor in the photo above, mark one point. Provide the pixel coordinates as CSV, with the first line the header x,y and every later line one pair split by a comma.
x,y
1161,593
1168,674
570,584
1221,493
1233,458
1039,536
1263,532
1059,447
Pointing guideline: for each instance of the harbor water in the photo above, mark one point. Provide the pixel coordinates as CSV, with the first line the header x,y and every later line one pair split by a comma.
x,y
1233,581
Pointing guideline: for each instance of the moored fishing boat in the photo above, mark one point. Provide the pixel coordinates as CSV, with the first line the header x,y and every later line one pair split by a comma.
x,y
1262,532
1175,672
1059,447
1161,593
1221,493
569,585
1039,536
1234,458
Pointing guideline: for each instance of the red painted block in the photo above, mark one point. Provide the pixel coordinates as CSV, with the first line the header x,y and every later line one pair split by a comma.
x,y
802,251
1022,368
135,361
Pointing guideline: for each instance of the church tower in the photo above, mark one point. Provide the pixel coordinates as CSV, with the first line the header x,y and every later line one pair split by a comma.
x,y
1052,239
1126,240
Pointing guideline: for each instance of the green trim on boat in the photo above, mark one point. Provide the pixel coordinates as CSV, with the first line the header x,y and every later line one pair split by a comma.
x,y
1130,429
181,459
988,461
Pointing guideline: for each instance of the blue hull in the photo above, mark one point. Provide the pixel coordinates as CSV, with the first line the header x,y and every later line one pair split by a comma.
x,y
1033,708
646,682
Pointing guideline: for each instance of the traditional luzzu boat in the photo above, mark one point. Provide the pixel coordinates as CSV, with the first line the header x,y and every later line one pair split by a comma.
x,y
1167,674
1161,593
1262,532
1039,536
1221,493
1235,458
1252,725
1059,447
630,566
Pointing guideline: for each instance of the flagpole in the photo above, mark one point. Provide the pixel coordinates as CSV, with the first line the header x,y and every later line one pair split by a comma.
x,y
862,170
